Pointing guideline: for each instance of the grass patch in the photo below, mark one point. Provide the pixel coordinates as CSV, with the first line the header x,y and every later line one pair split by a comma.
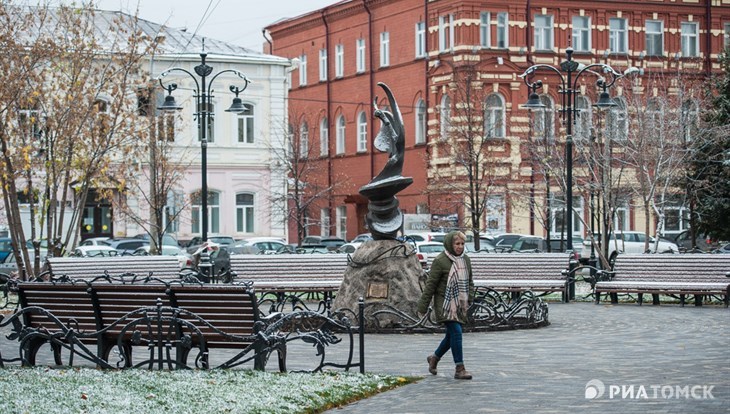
x,y
82,390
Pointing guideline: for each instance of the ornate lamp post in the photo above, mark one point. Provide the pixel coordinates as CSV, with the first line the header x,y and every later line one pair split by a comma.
x,y
568,74
203,94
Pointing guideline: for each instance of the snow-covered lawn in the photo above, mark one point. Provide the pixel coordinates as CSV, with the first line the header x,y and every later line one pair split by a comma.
x,y
86,390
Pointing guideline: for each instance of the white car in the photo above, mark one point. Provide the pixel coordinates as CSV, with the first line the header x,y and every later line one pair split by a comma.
x,y
427,251
634,242
94,251
257,245
185,259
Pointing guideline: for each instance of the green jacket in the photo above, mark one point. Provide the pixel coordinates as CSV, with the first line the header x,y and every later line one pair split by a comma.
x,y
436,287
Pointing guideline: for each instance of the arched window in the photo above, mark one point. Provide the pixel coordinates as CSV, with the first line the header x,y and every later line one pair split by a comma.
x,y
690,118
617,127
213,212
324,137
445,114
494,117
582,125
420,122
245,124
362,132
544,121
304,140
654,115
340,144
245,213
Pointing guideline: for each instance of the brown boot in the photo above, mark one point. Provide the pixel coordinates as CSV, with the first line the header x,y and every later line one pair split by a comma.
x,y
462,373
433,361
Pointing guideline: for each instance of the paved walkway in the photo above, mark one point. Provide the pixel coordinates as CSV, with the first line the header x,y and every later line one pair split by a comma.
x,y
673,359
547,370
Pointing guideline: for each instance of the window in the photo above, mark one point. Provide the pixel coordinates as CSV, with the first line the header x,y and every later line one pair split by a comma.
x,y
582,126
690,39
543,32
324,222
621,216
445,113
245,122
689,121
244,213
213,212
502,30
384,49
339,61
544,121
557,212
362,132
340,138
654,114
727,35
496,214
420,122
302,70
618,125
654,38
323,64
485,37
304,140
676,217
582,33
324,137
446,33
341,222
360,55
420,39
210,131
165,127
618,35
494,117
175,201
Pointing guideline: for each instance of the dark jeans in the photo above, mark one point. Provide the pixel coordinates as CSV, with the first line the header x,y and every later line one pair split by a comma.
x,y
452,341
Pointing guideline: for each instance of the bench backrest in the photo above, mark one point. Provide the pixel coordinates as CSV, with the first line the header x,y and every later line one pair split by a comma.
x,y
229,308
289,267
704,268
87,268
546,266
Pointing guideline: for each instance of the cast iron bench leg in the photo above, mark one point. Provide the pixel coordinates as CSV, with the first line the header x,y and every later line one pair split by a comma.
x,y
681,300
698,300
614,298
655,299
640,299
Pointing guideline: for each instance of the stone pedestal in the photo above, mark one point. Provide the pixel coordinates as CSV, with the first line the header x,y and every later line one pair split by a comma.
x,y
386,273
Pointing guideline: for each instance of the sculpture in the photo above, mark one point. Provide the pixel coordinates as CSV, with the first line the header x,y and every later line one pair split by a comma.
x,y
384,218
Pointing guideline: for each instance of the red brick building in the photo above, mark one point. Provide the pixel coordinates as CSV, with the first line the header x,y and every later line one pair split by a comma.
x,y
418,47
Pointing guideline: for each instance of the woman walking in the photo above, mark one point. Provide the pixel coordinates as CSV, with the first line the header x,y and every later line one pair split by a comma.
x,y
451,287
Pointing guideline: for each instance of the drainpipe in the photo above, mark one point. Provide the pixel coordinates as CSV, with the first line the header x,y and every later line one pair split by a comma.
x,y
328,83
427,96
529,34
271,45
708,39
370,81
528,46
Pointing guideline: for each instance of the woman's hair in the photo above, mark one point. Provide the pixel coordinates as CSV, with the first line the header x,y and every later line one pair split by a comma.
x,y
460,235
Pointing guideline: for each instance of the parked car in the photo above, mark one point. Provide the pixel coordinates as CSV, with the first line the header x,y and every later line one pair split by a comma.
x,y
504,242
183,257
703,242
167,239
6,247
94,241
94,251
529,244
126,245
332,243
362,238
722,249
254,245
223,241
634,242
349,247
428,250
426,237
485,245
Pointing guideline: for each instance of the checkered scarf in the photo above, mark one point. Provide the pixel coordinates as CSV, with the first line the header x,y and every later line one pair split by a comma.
x,y
456,299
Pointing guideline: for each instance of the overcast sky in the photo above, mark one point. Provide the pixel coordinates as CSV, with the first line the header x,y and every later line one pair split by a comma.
x,y
234,21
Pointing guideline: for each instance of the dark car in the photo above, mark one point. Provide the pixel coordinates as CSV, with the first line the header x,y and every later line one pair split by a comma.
x,y
126,245
223,241
703,243
332,243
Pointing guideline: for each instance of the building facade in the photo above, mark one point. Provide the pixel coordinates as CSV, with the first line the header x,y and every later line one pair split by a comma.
x,y
433,52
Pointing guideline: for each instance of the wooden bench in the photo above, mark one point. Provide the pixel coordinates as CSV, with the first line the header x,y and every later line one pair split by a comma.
x,y
103,314
676,275
89,268
521,272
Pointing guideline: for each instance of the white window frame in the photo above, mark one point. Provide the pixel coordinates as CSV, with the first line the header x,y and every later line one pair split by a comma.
x,y
214,209
210,133
421,117
494,117
557,206
650,38
324,222
384,49
304,141
420,39
543,24
341,217
303,70
496,212
690,40
245,214
618,126
241,125
502,30
360,57
582,41
446,38
445,117
340,135
485,35
544,121
362,132
583,118
726,41
324,137
322,64
339,61
618,37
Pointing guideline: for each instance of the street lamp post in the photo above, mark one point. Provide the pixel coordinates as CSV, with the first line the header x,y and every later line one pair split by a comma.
x,y
203,94
569,73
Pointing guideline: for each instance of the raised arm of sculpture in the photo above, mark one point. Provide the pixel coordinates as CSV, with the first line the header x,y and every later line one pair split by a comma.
x,y
391,137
